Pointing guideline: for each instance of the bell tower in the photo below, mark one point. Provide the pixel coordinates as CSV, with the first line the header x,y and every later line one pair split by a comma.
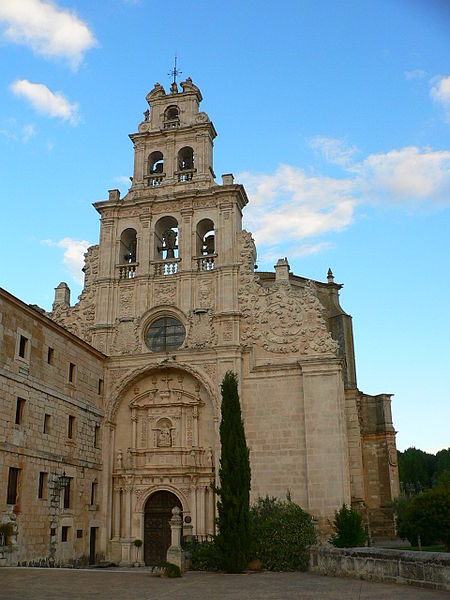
x,y
170,248
174,143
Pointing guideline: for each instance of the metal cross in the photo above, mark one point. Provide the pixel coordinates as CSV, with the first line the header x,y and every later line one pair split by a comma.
x,y
174,72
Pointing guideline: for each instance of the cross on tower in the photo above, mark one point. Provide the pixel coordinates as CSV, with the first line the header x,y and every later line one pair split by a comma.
x,y
174,72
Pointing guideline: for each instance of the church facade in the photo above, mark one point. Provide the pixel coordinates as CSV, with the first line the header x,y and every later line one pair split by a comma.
x,y
171,302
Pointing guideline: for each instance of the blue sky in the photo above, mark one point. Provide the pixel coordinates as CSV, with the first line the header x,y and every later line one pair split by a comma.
x,y
335,116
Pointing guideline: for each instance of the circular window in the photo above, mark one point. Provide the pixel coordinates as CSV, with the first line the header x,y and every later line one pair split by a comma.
x,y
164,334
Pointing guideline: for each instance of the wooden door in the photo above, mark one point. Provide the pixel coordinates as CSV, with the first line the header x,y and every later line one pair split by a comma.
x,y
158,512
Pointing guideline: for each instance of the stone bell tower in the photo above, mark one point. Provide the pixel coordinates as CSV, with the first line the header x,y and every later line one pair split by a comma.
x,y
172,241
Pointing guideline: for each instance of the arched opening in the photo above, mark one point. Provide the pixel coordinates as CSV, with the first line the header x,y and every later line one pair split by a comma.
x,y
155,168
157,514
128,246
185,164
171,117
166,239
206,245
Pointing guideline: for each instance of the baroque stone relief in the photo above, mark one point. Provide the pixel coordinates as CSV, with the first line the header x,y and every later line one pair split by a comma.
x,y
165,293
125,339
79,319
279,318
202,331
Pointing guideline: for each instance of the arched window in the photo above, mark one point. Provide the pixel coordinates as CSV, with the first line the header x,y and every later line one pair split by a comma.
x,y
166,245
171,117
165,334
128,254
205,245
185,164
155,168
128,247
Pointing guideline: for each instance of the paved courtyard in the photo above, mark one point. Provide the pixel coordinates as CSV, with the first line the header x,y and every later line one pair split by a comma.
x,y
138,584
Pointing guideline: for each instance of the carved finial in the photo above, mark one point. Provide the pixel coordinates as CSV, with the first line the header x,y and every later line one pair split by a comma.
x,y
330,276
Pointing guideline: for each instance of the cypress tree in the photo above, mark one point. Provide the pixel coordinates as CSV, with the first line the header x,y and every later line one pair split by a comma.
x,y
234,493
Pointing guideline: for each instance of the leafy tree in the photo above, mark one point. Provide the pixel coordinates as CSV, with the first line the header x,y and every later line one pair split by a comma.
x,y
442,462
415,469
350,530
428,515
281,534
233,540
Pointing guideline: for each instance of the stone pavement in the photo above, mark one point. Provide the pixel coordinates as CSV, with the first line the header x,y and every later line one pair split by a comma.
x,y
138,584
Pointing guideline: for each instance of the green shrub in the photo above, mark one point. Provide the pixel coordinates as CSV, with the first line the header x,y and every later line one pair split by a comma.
x,y
171,570
350,530
204,556
428,516
400,508
281,533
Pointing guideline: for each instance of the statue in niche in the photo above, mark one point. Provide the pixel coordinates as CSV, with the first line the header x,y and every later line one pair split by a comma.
x,y
209,457
164,436
119,459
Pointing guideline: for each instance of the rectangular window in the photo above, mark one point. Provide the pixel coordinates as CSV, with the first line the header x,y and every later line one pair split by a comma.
x,y
94,486
13,484
71,372
100,387
79,533
64,533
46,423
23,346
71,427
50,355
20,405
97,436
42,490
67,494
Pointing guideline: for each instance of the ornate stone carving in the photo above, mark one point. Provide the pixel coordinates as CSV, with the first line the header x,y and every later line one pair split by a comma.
x,y
205,293
165,293
125,338
202,332
126,300
280,318
79,319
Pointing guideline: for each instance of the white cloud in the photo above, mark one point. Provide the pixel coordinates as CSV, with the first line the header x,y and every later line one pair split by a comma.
x,y
46,102
440,93
410,175
28,131
48,30
291,205
415,74
73,257
334,150
12,131
123,179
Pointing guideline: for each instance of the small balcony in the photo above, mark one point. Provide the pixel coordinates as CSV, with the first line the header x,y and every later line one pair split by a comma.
x,y
205,262
171,123
155,179
163,268
185,175
127,271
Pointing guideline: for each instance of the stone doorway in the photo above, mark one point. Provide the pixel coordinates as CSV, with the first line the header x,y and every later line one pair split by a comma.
x,y
158,512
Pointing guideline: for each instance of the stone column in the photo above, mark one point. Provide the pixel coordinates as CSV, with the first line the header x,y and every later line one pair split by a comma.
x,y
117,509
175,553
211,511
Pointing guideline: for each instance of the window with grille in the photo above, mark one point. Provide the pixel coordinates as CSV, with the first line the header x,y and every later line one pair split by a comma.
x,y
165,334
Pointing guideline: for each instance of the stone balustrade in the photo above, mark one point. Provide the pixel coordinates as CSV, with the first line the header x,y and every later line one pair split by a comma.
x,y
185,175
205,262
127,271
166,267
154,179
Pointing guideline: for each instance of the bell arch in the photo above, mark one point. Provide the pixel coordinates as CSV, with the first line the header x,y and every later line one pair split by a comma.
x,y
166,239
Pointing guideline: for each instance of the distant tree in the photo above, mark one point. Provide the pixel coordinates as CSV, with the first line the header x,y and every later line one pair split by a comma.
x,y
416,469
349,527
442,462
428,516
233,540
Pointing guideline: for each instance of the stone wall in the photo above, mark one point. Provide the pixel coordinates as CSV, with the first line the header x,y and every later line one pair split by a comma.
x,y
38,440
424,569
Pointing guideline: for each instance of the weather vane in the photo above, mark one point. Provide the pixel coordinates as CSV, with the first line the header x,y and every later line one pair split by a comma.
x,y
174,72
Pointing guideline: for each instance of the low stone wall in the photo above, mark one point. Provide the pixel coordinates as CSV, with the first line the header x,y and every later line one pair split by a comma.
x,y
424,569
